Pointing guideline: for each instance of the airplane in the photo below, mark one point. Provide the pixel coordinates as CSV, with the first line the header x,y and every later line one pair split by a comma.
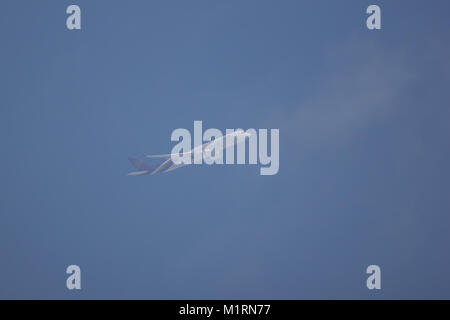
x,y
167,164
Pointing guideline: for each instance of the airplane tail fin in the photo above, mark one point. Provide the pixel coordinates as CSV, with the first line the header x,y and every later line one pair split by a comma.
x,y
145,168
138,164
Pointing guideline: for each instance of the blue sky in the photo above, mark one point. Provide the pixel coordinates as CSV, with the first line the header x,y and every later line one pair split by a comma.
x,y
364,150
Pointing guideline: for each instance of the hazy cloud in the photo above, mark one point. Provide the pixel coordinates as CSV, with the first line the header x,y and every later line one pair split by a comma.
x,y
361,90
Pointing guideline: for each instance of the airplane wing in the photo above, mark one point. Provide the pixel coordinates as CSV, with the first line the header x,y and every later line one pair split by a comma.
x,y
168,155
